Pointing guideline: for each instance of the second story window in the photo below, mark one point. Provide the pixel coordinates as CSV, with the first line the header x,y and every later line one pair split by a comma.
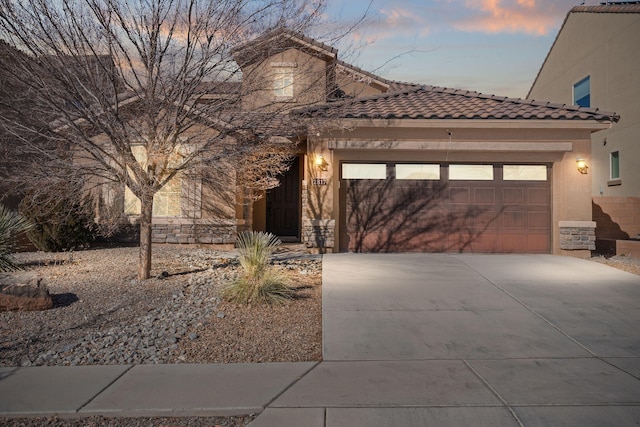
x,y
582,92
615,165
283,81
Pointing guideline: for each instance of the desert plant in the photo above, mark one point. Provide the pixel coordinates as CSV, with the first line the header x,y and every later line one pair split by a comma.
x,y
11,224
62,219
259,282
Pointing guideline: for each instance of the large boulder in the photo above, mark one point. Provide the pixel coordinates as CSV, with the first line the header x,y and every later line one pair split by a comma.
x,y
24,292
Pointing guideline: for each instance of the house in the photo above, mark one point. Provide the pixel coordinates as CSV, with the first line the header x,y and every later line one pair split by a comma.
x,y
388,166
594,61
385,166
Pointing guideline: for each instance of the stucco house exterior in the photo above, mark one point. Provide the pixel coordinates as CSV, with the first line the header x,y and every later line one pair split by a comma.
x,y
594,61
385,166
389,166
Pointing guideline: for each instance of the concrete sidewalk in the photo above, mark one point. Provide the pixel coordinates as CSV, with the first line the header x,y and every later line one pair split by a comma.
x,y
411,340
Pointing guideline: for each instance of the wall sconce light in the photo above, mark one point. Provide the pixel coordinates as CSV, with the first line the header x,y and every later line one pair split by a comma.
x,y
321,163
582,165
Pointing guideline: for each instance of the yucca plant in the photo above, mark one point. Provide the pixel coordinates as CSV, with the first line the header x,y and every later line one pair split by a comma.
x,y
11,224
259,282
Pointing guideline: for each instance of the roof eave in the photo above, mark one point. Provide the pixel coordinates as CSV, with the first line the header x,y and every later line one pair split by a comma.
x,y
592,125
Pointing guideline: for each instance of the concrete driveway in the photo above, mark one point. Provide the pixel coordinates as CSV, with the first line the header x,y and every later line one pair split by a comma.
x,y
457,340
421,306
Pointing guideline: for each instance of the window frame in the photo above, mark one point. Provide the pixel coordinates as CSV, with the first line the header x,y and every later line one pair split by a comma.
x,y
283,81
132,205
420,168
577,87
614,165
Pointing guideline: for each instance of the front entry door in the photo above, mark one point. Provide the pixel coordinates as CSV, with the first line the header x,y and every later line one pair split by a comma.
x,y
283,204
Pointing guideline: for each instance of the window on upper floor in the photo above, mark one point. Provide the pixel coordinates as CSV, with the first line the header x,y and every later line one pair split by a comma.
x,y
615,165
582,92
283,81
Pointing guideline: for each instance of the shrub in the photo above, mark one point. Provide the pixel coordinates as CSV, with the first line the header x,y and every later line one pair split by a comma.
x,y
62,220
11,224
259,282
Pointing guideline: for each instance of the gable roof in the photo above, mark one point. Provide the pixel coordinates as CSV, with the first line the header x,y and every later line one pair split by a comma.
x,y
609,8
432,102
276,41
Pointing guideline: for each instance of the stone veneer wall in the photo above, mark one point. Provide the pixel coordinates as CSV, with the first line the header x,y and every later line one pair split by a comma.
x,y
578,235
194,231
319,233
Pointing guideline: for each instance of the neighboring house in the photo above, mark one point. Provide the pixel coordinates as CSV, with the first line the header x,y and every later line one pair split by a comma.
x,y
595,61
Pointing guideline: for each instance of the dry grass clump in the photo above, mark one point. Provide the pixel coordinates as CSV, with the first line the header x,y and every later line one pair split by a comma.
x,y
260,282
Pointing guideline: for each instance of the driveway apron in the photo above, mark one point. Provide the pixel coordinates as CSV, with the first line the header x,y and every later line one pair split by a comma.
x,y
441,306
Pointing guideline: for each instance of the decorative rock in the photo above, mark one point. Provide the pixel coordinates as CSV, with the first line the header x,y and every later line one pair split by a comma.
x,y
23,292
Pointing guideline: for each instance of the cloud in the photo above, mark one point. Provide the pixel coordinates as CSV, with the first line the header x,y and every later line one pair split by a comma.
x,y
421,18
536,17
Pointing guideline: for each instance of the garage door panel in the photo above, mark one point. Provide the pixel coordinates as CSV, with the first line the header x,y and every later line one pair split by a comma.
x,y
538,243
484,196
486,242
513,219
459,195
538,220
513,196
513,243
538,196
485,220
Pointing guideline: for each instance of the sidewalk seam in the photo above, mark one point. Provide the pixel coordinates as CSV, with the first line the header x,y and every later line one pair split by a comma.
x,y
104,389
495,392
292,384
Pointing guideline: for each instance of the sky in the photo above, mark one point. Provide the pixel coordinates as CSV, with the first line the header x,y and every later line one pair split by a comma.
x,y
490,46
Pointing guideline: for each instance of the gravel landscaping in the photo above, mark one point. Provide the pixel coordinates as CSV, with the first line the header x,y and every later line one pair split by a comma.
x,y
103,315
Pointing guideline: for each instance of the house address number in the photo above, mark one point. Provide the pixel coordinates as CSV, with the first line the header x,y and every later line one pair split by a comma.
x,y
319,181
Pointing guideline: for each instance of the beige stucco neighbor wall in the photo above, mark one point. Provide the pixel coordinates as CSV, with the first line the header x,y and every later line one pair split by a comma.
x,y
606,47
406,141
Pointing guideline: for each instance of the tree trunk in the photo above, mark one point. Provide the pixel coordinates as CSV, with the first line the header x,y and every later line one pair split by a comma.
x,y
146,215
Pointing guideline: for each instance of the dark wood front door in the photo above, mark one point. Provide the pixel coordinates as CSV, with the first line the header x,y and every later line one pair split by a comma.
x,y
283,204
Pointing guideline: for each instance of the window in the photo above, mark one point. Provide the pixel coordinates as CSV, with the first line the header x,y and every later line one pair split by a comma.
x,y
471,172
615,165
364,171
582,92
524,173
418,171
166,202
283,81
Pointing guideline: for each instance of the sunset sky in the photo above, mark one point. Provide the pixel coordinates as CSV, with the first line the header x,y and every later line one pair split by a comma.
x,y
491,46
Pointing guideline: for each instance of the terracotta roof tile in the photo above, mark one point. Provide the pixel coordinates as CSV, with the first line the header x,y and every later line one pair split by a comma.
x,y
432,102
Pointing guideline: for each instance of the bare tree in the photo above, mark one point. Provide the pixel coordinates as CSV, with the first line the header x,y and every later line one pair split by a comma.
x,y
134,92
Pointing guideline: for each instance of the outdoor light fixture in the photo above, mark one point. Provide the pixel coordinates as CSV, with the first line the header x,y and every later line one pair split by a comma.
x,y
321,163
582,165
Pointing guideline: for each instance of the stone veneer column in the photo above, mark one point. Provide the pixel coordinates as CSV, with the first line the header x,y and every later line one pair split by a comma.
x,y
578,235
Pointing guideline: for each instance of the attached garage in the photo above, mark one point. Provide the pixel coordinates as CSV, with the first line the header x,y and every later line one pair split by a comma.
x,y
445,207
442,170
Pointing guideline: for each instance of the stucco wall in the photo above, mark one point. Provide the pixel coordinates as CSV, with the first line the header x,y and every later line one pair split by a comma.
x,y
571,195
604,46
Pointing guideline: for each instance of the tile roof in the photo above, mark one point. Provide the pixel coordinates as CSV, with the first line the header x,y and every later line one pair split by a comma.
x,y
432,102
610,7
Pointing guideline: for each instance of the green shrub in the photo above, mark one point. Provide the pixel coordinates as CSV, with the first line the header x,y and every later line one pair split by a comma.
x,y
62,220
259,282
11,224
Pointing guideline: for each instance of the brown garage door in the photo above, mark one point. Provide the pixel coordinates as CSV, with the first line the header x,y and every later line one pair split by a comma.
x,y
445,208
